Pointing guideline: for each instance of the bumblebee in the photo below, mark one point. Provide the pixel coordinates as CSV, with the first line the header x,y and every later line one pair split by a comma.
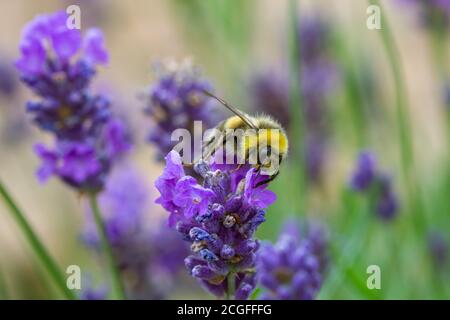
x,y
256,140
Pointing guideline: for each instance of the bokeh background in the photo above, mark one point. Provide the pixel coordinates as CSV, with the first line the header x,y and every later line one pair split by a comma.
x,y
234,42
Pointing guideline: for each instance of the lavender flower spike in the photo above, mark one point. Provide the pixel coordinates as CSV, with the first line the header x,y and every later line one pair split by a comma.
x,y
175,101
293,268
58,64
218,217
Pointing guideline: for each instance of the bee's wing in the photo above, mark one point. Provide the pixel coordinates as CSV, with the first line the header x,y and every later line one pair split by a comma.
x,y
212,144
236,111
209,149
216,142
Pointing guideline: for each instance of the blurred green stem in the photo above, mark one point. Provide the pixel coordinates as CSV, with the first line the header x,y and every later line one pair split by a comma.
x,y
404,125
38,247
345,268
439,44
117,285
344,260
4,294
230,287
255,294
439,51
357,100
295,104
225,28
394,256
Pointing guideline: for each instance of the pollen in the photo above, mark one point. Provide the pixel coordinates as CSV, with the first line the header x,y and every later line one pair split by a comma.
x,y
217,280
197,246
229,221
64,112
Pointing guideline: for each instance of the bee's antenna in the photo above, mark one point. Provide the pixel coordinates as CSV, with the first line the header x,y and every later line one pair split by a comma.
x,y
236,111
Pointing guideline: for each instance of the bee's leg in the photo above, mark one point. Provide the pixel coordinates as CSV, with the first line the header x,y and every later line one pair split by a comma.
x,y
188,165
271,178
237,168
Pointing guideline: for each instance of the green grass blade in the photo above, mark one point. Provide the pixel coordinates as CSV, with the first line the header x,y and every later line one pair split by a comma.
x,y
117,285
36,244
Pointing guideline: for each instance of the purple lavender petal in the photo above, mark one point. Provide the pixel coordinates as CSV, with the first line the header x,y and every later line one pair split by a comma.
x,y
66,43
49,162
33,58
94,47
79,162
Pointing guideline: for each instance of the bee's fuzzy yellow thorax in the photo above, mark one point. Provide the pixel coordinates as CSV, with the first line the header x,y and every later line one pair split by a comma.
x,y
274,137
234,123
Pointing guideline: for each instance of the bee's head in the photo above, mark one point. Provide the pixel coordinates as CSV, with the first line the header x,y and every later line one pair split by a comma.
x,y
266,148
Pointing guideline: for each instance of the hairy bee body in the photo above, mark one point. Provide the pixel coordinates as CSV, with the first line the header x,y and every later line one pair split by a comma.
x,y
263,142
256,140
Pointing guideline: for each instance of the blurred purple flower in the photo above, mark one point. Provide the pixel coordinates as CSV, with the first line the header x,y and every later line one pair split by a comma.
x,y
8,79
58,64
149,258
33,57
294,267
49,162
94,47
315,156
319,75
314,35
387,203
219,220
90,293
175,101
116,138
78,163
94,294
439,248
364,173
317,237
319,70
65,42
433,14
366,177
318,80
270,94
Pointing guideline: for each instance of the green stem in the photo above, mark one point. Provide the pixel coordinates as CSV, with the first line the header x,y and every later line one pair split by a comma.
x,y
297,127
4,294
357,100
38,247
345,259
439,51
117,286
230,287
404,125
